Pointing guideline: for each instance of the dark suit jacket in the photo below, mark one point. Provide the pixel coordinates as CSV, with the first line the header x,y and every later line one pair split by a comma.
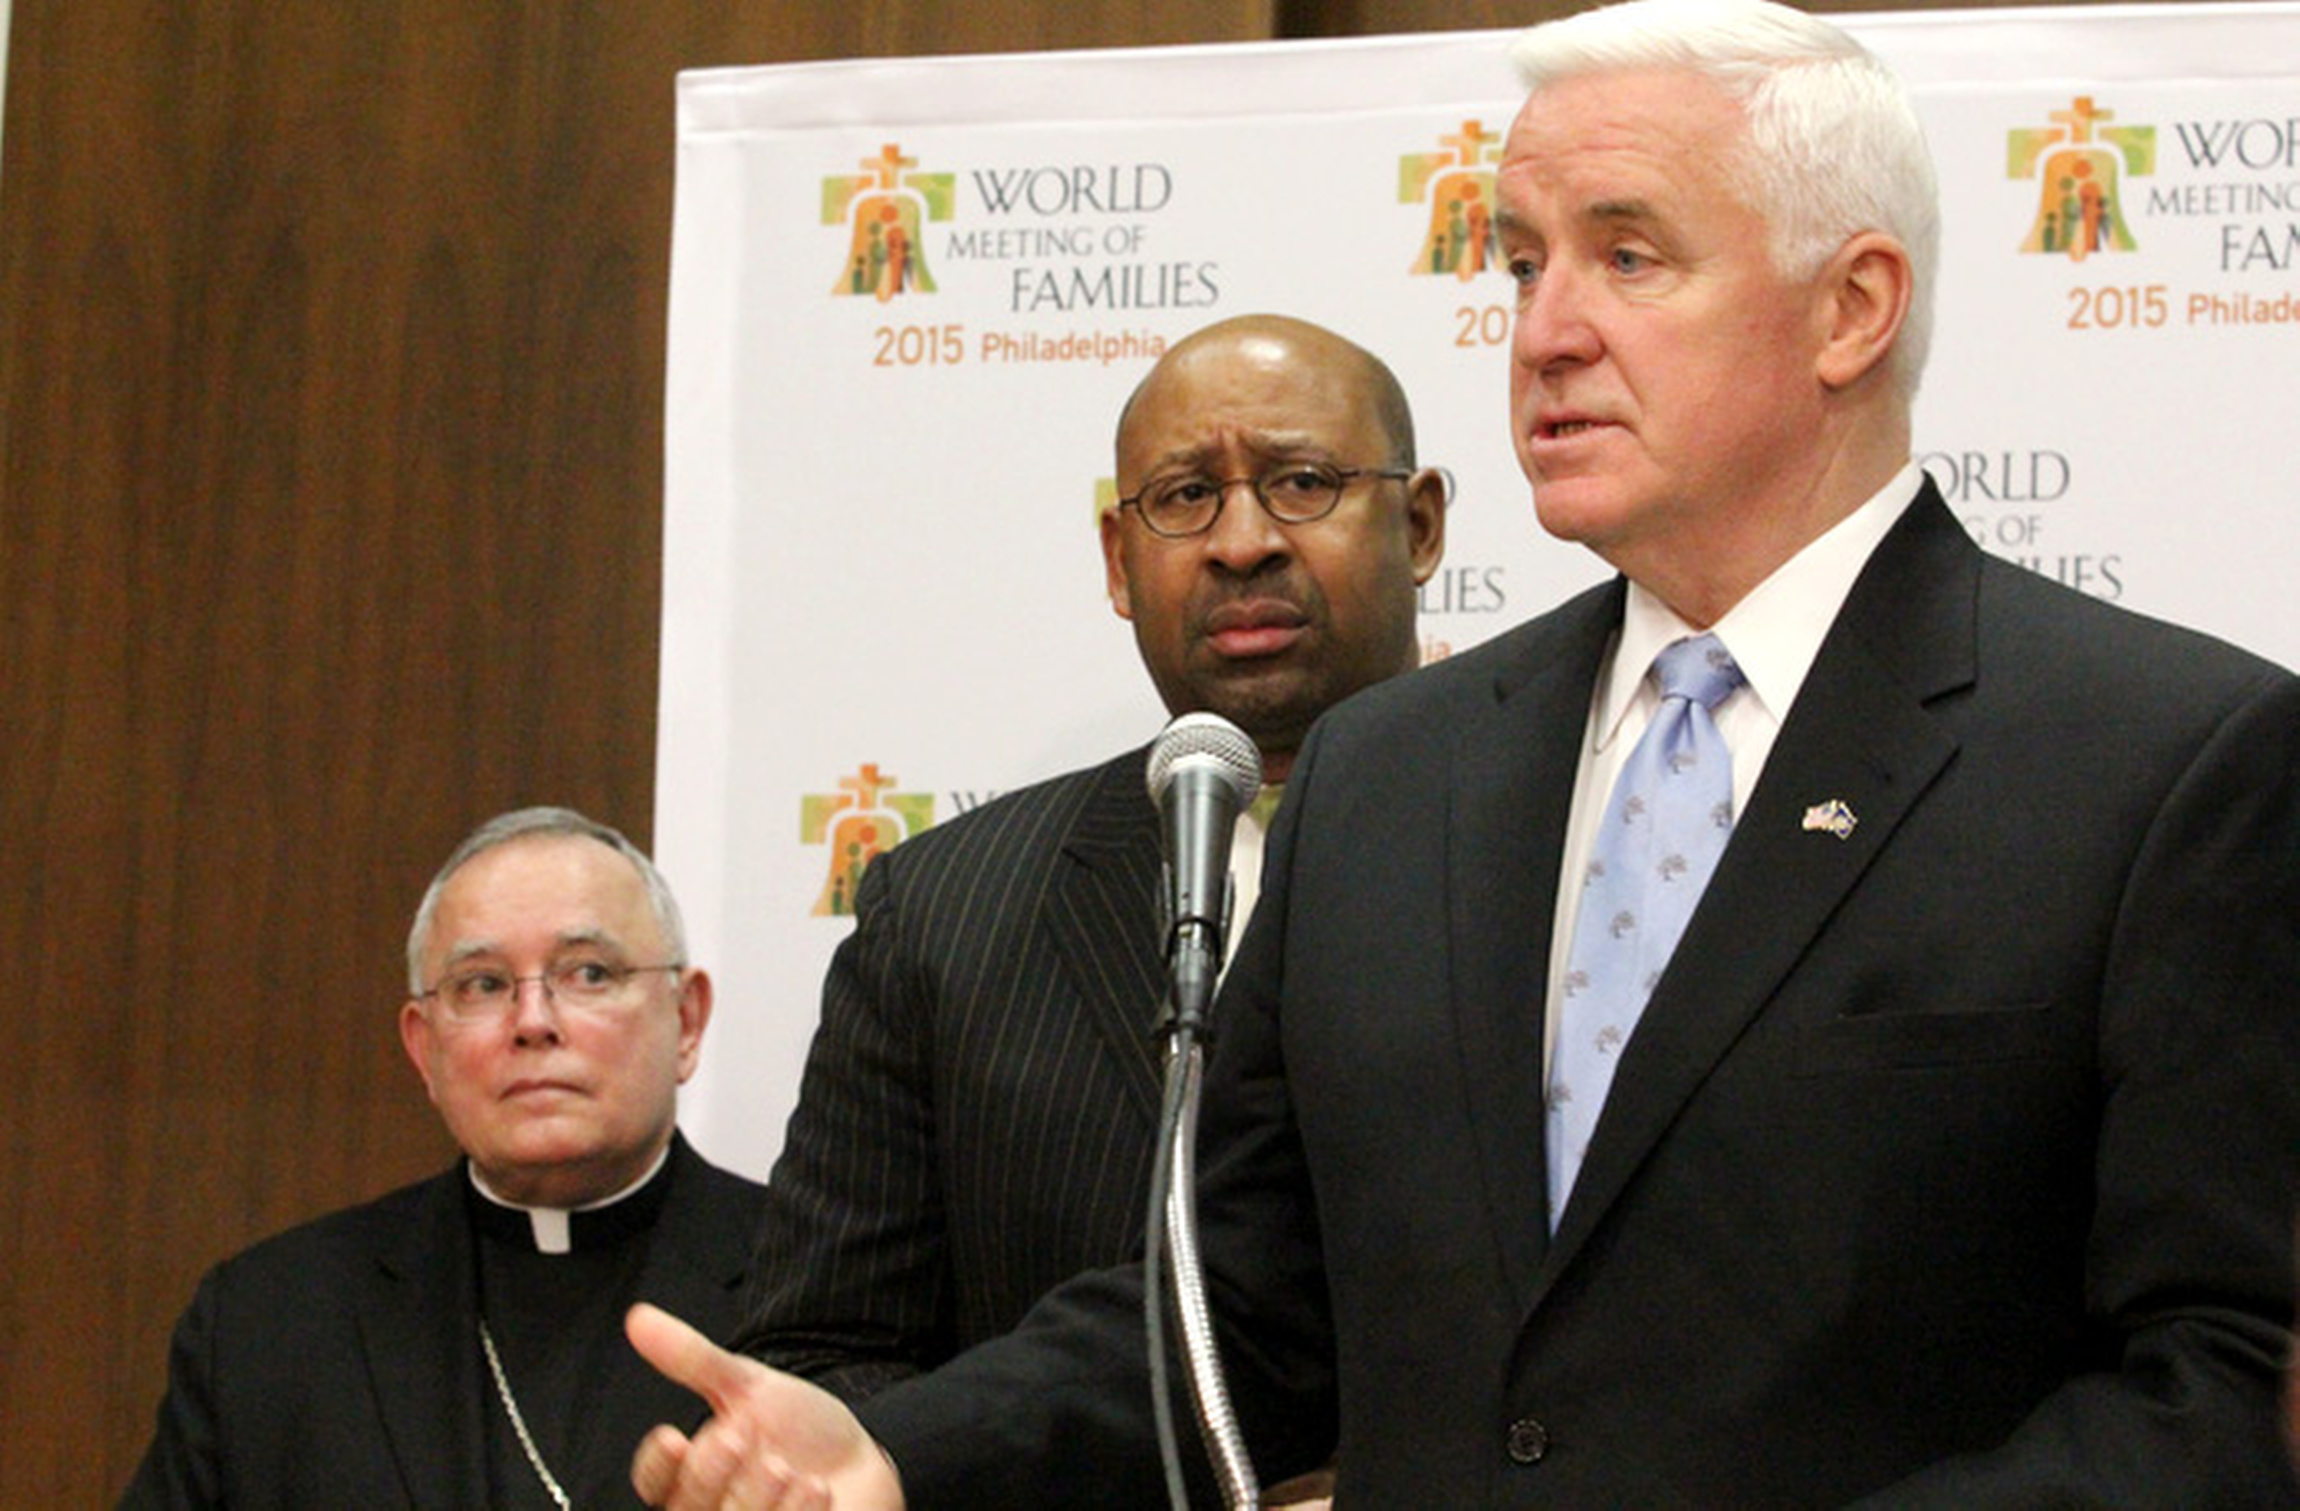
x,y
338,1363
1953,1161
976,1118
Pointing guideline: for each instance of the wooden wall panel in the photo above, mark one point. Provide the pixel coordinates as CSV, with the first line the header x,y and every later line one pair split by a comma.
x,y
331,347
330,425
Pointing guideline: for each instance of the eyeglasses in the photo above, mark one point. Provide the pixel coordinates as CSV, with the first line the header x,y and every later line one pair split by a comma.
x,y
1293,493
482,992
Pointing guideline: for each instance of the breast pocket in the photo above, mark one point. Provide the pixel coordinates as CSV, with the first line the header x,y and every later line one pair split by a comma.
x,y
1932,1037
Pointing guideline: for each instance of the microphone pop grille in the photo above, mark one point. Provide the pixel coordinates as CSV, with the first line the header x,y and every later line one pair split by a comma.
x,y
1224,745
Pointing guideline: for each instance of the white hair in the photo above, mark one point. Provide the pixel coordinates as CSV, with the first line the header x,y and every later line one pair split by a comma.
x,y
1833,146
524,823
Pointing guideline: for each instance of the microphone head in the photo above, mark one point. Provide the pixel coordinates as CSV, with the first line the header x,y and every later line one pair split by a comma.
x,y
1209,740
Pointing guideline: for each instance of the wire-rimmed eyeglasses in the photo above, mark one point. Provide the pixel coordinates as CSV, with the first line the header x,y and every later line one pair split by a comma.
x,y
479,992
1293,493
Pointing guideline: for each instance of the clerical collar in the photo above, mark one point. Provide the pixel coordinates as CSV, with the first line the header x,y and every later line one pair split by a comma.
x,y
559,1230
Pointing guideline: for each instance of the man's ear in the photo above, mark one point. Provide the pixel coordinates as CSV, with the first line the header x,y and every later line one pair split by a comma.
x,y
1114,563
415,1033
694,1016
1866,290
1428,492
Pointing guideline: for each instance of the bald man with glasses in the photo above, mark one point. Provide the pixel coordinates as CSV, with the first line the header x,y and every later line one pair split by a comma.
x,y
978,1111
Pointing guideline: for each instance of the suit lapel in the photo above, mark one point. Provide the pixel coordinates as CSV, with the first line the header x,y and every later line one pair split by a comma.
x,y
696,1260
1859,734
1099,910
1510,791
418,1327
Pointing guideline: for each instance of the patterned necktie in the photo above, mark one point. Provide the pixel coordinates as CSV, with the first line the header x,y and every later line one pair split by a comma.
x,y
1664,827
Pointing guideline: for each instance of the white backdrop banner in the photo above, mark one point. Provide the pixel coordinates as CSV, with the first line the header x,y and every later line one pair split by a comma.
x,y
909,296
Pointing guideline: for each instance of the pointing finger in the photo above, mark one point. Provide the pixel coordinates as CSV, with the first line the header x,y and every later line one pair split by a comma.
x,y
687,1357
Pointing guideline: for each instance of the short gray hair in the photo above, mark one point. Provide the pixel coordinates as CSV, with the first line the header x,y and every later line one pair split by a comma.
x,y
1834,146
526,823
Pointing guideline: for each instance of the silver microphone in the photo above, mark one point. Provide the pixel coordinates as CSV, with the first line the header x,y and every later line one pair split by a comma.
x,y
1204,772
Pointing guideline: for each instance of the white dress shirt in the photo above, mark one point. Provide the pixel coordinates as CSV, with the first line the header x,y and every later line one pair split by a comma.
x,y
1773,633
1246,839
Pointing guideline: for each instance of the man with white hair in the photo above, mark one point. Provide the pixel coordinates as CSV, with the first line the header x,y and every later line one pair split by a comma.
x,y
1809,1021
458,1342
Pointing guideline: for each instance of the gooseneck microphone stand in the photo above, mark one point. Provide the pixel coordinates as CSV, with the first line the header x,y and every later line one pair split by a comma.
x,y
1203,772
1173,1214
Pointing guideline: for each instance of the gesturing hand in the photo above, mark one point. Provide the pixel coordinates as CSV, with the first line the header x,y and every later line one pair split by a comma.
x,y
773,1441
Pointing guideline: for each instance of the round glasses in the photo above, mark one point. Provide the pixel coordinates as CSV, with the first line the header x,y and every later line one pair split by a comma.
x,y
478,993
1293,493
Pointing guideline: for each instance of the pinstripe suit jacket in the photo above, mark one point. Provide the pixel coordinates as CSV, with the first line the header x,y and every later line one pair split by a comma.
x,y
976,1118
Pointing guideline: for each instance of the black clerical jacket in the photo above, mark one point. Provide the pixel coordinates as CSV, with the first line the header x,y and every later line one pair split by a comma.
x,y
338,1364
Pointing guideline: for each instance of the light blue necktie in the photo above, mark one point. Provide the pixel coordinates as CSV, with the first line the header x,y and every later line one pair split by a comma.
x,y
1664,827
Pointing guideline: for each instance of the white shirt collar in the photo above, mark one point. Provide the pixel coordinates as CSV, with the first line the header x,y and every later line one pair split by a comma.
x,y
1777,628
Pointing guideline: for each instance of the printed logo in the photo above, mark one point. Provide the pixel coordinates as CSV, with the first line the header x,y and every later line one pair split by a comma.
x,y
883,208
1456,183
857,824
2079,164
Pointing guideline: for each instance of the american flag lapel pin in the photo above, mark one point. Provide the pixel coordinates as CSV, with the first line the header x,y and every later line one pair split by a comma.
x,y
1831,817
